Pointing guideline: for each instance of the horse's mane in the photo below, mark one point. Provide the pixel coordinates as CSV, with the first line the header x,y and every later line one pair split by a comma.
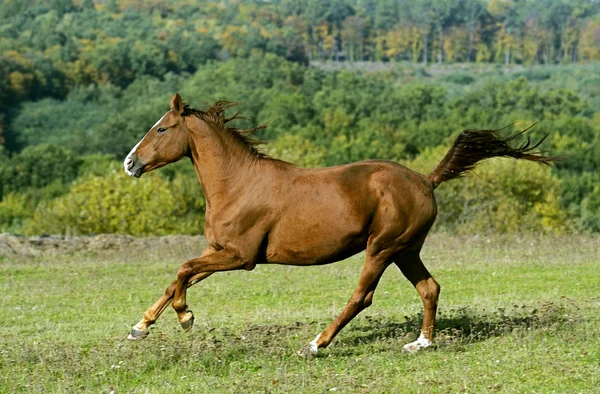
x,y
215,114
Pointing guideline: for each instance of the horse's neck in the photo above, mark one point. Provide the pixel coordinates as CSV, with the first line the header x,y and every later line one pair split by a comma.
x,y
220,161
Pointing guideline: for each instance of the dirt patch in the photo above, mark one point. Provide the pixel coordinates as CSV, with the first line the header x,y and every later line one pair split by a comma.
x,y
13,246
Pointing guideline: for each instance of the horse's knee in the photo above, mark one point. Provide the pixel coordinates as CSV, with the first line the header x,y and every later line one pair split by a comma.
x,y
184,272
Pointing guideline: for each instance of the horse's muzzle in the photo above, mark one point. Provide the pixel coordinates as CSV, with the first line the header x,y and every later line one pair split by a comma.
x,y
133,166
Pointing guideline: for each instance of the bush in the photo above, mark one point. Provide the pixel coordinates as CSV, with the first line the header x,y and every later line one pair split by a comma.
x,y
118,204
459,78
37,167
502,196
297,150
590,210
15,209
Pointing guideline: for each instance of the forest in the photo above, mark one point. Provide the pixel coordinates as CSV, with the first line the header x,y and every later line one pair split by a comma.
x,y
336,81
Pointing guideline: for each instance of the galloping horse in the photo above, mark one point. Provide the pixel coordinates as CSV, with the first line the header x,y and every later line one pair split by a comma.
x,y
261,210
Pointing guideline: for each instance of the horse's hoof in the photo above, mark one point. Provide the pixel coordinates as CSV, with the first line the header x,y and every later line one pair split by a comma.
x,y
417,345
188,323
136,334
411,348
308,352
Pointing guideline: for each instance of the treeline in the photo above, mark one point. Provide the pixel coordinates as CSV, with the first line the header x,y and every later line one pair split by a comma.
x,y
69,177
47,47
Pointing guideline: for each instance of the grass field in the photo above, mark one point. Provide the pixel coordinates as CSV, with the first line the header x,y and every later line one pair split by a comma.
x,y
517,314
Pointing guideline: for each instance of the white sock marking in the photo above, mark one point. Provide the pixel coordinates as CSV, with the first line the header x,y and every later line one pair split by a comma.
x,y
314,348
417,345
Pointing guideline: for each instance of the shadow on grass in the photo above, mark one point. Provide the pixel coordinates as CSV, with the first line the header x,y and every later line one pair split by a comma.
x,y
457,327
454,329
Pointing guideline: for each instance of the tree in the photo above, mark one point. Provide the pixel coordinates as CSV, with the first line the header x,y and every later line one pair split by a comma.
x,y
421,14
112,6
87,5
474,9
507,13
590,40
1,130
353,36
441,10
63,6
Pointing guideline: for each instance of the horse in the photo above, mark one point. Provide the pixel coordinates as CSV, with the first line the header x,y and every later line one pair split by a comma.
x,y
261,210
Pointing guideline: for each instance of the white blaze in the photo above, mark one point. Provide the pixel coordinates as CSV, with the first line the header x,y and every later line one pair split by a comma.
x,y
128,160
156,124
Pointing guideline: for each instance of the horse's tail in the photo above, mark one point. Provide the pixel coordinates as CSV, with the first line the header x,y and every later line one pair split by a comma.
x,y
473,146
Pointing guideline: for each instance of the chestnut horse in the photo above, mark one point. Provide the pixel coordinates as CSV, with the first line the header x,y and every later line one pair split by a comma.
x,y
261,210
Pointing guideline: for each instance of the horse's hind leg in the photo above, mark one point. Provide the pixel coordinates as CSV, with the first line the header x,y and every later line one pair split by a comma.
x,y
362,297
412,267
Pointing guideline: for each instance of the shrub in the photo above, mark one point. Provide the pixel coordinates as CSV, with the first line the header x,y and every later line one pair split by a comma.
x,y
459,78
297,150
15,209
37,167
590,210
118,204
503,195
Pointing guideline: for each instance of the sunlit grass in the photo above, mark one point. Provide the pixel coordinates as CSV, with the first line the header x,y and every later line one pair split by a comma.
x,y
516,315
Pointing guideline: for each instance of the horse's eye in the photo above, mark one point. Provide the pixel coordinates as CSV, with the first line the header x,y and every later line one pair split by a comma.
x,y
161,130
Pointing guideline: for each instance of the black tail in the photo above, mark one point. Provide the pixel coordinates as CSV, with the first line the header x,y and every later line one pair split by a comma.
x,y
473,146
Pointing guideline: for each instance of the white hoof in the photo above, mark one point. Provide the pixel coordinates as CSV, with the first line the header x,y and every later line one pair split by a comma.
x,y
313,347
311,350
420,343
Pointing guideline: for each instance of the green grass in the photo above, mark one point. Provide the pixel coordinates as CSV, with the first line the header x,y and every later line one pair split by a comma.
x,y
517,314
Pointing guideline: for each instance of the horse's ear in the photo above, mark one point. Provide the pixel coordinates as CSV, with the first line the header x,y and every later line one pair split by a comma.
x,y
177,104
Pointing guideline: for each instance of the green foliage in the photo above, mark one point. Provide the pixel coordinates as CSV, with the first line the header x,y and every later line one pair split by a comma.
x,y
319,118
502,196
15,209
98,164
50,47
118,204
590,210
37,167
82,82
460,79
295,149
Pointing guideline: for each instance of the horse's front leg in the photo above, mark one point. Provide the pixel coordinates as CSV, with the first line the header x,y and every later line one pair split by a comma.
x,y
141,329
223,260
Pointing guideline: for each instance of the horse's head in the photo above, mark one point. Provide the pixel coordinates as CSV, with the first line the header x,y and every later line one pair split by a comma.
x,y
166,142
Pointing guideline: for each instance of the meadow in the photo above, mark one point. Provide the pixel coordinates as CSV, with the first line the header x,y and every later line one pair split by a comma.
x,y
517,314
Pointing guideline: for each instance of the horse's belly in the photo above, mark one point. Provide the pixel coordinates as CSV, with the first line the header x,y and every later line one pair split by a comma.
x,y
314,254
317,241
